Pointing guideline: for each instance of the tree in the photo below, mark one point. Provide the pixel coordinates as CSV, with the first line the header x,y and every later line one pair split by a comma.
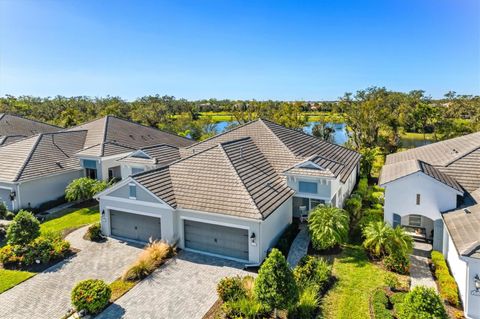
x,y
23,229
367,161
328,226
401,241
275,285
381,239
323,131
84,188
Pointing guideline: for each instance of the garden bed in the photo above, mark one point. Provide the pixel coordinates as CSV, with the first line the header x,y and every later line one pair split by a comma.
x,y
37,268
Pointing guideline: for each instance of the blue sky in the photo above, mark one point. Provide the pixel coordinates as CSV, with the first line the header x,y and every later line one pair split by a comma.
x,y
285,50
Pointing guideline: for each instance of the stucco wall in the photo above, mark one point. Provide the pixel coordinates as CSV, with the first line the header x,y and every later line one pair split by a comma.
x,y
435,197
458,267
346,188
38,191
127,168
107,162
274,225
473,301
142,195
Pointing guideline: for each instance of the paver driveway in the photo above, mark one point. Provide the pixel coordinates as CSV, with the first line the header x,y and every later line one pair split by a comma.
x,y
47,295
185,287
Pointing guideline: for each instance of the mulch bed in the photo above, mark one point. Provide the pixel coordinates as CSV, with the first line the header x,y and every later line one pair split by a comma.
x,y
41,267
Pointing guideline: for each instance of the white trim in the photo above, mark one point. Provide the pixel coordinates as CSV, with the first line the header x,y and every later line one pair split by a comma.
x,y
137,202
8,188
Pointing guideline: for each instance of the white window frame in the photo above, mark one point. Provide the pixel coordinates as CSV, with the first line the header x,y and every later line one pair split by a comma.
x,y
415,216
130,185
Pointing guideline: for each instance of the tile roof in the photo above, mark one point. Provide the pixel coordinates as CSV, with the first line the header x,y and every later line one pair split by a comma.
x,y
405,168
161,154
457,158
463,226
40,155
13,128
124,135
322,167
231,178
284,147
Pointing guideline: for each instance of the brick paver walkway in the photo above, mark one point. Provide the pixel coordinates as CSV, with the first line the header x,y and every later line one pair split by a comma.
x,y
420,273
47,295
185,287
299,246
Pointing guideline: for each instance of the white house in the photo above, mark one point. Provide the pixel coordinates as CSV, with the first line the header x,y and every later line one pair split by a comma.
x,y
231,195
426,188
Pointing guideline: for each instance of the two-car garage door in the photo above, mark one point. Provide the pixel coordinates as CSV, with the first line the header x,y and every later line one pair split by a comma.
x,y
216,239
134,226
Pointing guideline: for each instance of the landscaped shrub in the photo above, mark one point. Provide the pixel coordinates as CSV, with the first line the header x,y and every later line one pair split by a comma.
x,y
397,299
275,286
287,237
362,188
94,232
308,303
370,215
422,303
3,211
23,229
391,281
91,295
447,285
119,288
398,263
247,308
380,305
328,227
10,216
50,204
353,205
43,249
311,270
231,288
3,231
84,188
381,239
151,257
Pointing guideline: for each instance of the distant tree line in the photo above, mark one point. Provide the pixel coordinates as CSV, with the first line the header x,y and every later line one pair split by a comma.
x,y
376,117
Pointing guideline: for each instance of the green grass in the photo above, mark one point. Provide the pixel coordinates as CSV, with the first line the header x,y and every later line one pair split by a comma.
x,y
11,278
69,219
357,278
120,287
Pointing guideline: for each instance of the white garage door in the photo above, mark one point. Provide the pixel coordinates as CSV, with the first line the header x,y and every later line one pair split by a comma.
x,y
216,239
134,226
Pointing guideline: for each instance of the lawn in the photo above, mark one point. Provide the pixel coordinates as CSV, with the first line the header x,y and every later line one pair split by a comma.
x,y
11,278
356,278
70,219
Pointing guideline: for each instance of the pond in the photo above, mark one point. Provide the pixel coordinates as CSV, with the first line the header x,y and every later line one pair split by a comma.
x,y
340,133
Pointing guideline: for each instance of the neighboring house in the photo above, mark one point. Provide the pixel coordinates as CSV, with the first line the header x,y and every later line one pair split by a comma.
x,y
14,128
37,169
433,186
148,158
110,139
231,195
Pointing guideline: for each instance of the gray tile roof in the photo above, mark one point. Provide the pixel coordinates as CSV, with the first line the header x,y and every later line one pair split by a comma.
x,y
13,128
232,178
284,147
463,226
40,155
457,158
162,154
408,167
111,136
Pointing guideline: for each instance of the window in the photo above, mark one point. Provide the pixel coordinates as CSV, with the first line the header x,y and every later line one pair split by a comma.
x,y
91,173
307,187
136,170
132,189
315,202
415,220
397,220
418,199
90,164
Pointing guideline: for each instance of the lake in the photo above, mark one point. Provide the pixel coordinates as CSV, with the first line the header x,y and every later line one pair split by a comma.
x,y
340,133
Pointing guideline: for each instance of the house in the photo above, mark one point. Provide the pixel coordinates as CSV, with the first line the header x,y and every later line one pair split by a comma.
x,y
433,190
111,138
14,128
37,169
231,195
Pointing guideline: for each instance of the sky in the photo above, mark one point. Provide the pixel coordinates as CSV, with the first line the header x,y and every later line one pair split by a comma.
x,y
265,49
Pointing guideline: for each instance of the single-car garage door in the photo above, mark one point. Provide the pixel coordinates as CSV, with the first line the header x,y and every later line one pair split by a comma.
x,y
134,226
216,239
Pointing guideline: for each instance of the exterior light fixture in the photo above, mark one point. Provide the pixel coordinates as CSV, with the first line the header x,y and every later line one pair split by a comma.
x,y
13,194
476,281
103,212
252,238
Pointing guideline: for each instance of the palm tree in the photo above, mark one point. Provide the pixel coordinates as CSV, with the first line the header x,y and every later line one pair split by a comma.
x,y
401,241
378,237
328,226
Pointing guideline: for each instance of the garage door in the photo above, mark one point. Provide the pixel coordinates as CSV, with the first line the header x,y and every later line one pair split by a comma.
x,y
215,239
133,226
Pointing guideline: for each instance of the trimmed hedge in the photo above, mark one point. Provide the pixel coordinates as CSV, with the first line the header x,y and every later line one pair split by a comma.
x,y
380,305
447,285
